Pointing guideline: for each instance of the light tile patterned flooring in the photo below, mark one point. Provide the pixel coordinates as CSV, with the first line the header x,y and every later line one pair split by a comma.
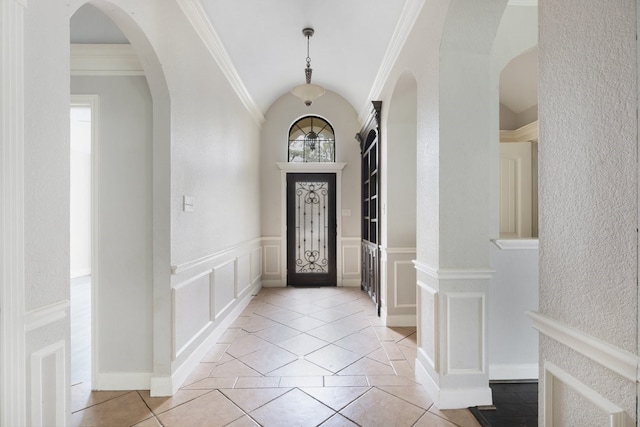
x,y
294,357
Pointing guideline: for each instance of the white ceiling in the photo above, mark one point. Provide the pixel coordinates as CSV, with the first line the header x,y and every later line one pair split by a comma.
x,y
265,43
267,50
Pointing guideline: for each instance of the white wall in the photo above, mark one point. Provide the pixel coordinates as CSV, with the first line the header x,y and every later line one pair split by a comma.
x,y
398,197
588,206
513,343
124,228
274,136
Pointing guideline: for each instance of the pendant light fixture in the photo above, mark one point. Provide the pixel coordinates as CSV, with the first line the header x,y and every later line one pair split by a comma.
x,y
308,92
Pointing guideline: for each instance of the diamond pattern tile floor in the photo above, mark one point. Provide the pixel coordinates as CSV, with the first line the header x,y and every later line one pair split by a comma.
x,y
294,357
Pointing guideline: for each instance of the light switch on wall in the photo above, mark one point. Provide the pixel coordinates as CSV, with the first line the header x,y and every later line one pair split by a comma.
x,y
187,203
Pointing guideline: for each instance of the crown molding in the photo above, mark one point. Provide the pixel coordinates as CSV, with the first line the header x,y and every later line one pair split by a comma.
x,y
527,133
516,244
195,13
407,19
105,60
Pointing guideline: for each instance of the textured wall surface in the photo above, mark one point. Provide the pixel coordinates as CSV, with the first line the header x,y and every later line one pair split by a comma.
x,y
589,184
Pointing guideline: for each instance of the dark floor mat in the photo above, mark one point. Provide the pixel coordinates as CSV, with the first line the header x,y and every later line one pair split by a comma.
x,y
515,405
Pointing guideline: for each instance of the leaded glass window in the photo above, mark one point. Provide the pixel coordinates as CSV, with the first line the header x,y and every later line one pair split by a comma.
x,y
311,139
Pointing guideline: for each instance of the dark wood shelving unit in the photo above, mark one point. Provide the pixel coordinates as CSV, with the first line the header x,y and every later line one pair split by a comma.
x,y
370,149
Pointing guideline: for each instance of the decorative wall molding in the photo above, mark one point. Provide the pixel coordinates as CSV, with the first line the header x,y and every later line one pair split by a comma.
x,y
408,17
405,251
40,376
617,416
523,2
12,267
168,386
197,16
432,360
105,60
272,251
516,244
618,360
181,268
455,333
46,315
454,274
396,282
355,252
527,133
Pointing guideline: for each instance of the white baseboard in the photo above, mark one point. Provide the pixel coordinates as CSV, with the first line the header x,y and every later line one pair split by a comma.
x,y
351,283
273,283
168,386
122,381
453,398
401,320
514,372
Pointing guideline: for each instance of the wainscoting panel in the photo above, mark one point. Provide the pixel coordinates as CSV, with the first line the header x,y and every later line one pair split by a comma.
x,y
398,285
224,283
272,261
204,293
429,336
48,388
464,316
351,261
555,378
191,309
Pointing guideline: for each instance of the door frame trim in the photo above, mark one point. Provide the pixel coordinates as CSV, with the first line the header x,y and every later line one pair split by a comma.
x,y
287,168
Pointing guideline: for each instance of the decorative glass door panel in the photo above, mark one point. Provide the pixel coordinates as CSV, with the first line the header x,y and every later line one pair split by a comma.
x,y
311,229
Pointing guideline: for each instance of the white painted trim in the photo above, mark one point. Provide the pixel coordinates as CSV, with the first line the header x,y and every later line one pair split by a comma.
x,y
351,283
12,267
407,19
168,386
196,14
182,267
395,283
454,274
458,398
435,362
618,360
448,297
58,350
123,381
310,167
617,415
527,133
191,279
278,251
528,371
516,244
401,320
46,315
105,60
193,339
358,250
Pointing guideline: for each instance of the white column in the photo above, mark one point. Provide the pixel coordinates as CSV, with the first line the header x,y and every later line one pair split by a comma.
x,y
12,306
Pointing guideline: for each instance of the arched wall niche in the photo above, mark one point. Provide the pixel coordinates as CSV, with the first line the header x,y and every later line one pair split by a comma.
x,y
398,167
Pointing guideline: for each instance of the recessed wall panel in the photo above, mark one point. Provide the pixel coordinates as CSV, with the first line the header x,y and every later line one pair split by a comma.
x,y
224,284
191,308
465,333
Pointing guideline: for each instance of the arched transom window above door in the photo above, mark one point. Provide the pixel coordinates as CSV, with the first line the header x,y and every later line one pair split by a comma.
x,y
311,139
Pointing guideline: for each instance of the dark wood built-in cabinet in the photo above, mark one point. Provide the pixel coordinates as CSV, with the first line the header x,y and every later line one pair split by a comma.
x,y
370,149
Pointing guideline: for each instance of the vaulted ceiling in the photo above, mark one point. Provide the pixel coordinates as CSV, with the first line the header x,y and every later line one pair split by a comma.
x,y
267,50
